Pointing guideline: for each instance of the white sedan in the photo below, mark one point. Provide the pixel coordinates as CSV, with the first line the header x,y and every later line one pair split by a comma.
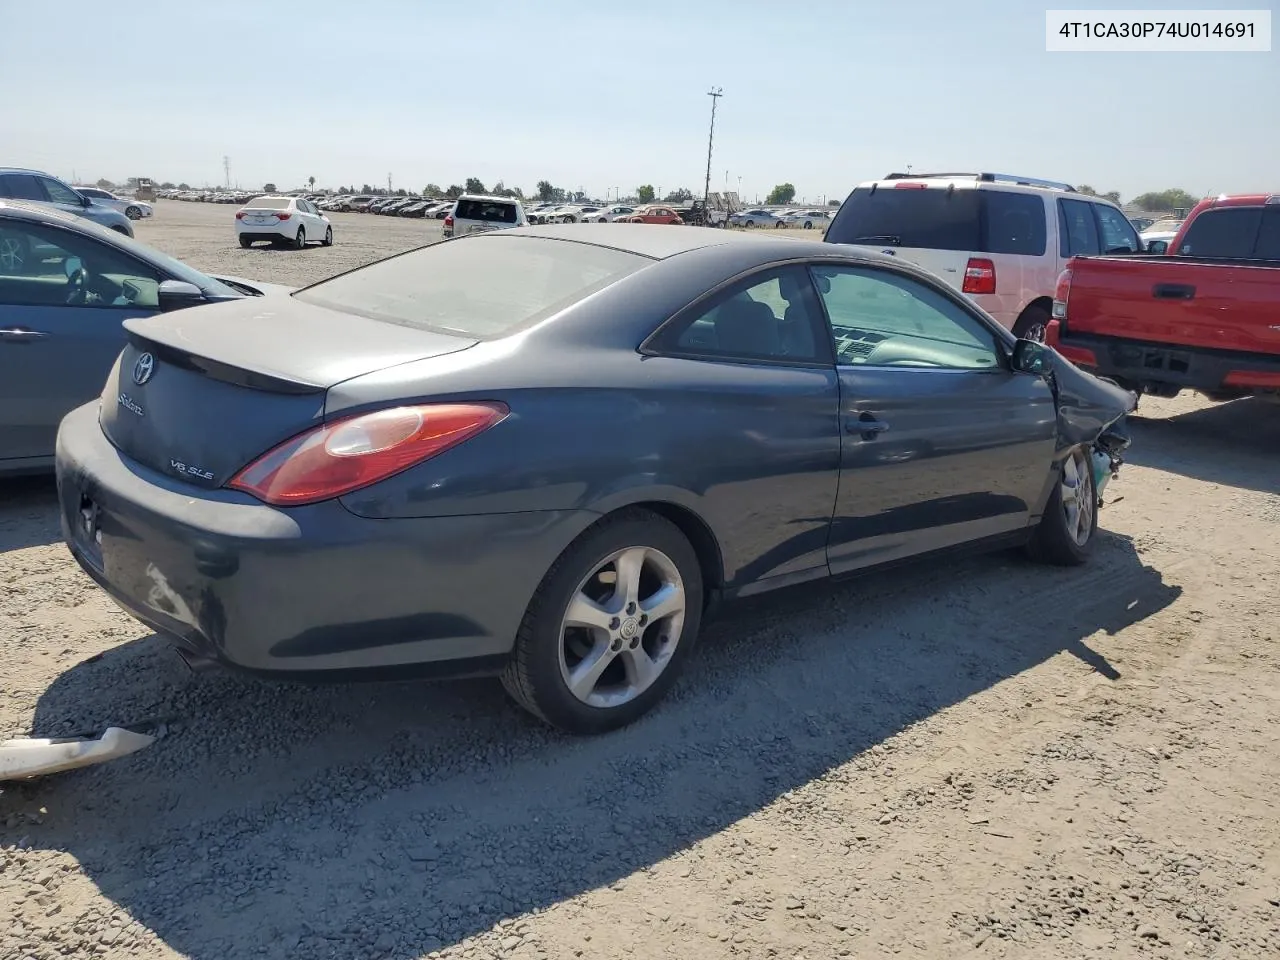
x,y
133,209
292,220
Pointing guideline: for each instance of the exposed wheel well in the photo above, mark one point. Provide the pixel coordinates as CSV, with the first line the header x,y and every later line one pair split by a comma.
x,y
1040,303
699,536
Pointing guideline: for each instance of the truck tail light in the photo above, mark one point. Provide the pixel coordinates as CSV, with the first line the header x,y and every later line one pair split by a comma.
x,y
903,185
1061,291
337,458
979,276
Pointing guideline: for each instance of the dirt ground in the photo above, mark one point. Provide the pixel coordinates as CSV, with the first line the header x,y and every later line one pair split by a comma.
x,y
978,759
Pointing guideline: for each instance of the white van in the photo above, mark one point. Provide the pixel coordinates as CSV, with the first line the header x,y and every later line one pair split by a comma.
x,y
1000,239
473,213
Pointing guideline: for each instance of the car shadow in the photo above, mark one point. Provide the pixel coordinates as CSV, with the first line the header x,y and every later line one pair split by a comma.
x,y
287,820
28,512
1233,443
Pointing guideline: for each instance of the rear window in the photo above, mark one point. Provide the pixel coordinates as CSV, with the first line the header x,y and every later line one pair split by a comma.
x,y
450,287
269,203
1228,232
931,219
936,218
488,211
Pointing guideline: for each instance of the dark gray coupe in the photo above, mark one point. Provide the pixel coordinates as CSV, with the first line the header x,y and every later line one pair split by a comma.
x,y
542,452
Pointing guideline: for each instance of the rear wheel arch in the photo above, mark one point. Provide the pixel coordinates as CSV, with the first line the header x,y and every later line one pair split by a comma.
x,y
1039,310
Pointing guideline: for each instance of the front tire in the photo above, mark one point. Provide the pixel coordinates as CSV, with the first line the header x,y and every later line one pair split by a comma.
x,y
328,237
1065,534
610,627
133,213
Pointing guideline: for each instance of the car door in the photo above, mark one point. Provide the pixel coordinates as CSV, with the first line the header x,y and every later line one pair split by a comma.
x,y
759,435
942,443
59,333
316,224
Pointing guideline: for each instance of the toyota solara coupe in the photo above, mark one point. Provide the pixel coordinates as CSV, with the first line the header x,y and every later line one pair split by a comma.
x,y
542,453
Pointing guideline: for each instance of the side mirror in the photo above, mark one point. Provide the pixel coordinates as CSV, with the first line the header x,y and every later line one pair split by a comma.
x,y
1030,356
177,294
1158,247
84,200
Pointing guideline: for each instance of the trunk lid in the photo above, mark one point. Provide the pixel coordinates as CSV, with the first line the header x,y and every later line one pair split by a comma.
x,y
199,393
948,265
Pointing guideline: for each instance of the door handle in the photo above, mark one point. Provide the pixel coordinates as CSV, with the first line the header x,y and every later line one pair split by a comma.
x,y
1173,291
867,425
20,334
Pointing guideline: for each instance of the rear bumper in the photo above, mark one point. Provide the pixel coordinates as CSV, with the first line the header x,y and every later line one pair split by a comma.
x,y
303,591
1160,364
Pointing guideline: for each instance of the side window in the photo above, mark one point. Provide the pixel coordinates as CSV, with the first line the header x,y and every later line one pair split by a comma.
x,y
1014,223
1117,232
20,186
59,193
772,316
40,266
1227,232
1077,230
884,319
1267,246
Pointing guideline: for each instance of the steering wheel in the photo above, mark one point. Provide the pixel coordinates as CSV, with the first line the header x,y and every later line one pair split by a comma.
x,y
77,287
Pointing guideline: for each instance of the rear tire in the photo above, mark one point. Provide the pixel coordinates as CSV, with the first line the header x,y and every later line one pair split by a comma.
x,y
537,675
300,239
1032,325
1063,537
246,242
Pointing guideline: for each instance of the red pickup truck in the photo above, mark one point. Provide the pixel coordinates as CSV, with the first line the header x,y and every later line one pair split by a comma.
x,y
1205,317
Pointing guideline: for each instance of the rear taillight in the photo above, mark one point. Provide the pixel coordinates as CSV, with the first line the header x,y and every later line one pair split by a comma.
x,y
239,214
283,216
1061,291
448,221
345,455
979,276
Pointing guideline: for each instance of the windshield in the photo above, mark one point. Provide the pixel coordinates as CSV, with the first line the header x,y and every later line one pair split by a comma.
x,y
482,287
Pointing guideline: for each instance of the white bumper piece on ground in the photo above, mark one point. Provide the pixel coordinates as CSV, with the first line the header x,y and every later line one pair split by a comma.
x,y
34,757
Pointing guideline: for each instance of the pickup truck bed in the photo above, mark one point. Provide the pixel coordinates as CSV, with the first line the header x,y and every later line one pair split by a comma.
x,y
1160,324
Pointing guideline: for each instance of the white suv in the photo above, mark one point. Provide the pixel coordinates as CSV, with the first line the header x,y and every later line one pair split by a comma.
x,y
474,213
1000,239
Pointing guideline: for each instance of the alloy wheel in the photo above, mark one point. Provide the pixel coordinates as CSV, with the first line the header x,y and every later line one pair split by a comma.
x,y
1077,496
622,626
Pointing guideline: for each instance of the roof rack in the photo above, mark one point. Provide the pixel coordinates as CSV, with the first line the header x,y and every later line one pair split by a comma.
x,y
987,178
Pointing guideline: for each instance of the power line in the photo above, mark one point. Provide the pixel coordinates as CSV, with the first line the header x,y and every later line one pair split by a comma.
x,y
715,93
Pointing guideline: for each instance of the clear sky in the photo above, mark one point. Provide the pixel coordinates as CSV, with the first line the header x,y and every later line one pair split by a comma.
x,y
820,93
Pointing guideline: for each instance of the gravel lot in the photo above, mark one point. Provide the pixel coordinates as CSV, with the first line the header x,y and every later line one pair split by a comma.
x,y
982,759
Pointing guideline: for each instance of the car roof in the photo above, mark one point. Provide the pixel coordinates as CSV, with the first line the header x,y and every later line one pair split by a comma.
x,y
485,196
39,173
659,241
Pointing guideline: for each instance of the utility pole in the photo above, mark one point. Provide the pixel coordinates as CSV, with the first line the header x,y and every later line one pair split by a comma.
x,y
388,183
715,93
226,172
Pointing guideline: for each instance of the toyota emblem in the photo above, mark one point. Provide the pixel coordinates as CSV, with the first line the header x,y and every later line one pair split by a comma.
x,y
144,368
